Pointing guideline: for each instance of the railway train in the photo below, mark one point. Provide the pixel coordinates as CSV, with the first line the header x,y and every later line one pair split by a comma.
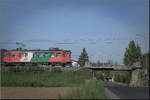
x,y
54,56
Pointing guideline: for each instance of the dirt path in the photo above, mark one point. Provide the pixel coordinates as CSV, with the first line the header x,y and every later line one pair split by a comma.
x,y
34,92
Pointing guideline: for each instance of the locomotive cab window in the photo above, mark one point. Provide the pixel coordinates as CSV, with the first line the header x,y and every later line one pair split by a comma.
x,y
64,55
26,54
58,55
41,55
21,55
14,55
46,55
68,55
37,56
52,55
34,55
7,55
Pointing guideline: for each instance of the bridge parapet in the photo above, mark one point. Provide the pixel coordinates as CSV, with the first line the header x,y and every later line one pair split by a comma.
x,y
110,68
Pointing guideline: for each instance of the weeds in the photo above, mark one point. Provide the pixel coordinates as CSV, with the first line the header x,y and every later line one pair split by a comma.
x,y
44,78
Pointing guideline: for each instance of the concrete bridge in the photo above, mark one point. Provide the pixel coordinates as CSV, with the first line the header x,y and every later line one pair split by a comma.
x,y
134,72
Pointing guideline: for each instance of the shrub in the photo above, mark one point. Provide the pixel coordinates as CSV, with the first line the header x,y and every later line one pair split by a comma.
x,y
26,69
103,74
123,77
56,70
14,69
35,69
99,75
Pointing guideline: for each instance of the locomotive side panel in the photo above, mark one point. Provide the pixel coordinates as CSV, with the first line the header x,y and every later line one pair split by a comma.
x,y
41,56
61,57
12,57
67,56
57,57
26,56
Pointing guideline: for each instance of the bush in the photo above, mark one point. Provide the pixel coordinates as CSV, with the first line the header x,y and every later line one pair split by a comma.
x,y
14,69
56,70
35,69
26,69
123,77
99,75
103,74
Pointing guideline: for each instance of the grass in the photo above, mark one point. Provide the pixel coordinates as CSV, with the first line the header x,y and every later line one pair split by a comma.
x,y
24,77
91,90
44,78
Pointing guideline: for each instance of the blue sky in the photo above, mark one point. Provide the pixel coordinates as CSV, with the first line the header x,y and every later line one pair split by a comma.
x,y
103,27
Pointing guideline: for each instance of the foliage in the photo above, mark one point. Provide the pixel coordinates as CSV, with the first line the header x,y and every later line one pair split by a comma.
x,y
56,70
26,69
132,54
102,75
44,79
122,76
145,66
83,57
119,76
145,61
91,90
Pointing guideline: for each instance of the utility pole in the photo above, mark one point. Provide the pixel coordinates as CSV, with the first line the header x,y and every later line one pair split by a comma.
x,y
21,45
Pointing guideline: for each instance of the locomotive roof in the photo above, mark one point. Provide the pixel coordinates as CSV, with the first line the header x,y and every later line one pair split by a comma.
x,y
41,50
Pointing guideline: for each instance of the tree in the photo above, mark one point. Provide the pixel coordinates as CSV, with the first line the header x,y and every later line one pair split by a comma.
x,y
145,61
138,53
132,54
83,58
145,67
